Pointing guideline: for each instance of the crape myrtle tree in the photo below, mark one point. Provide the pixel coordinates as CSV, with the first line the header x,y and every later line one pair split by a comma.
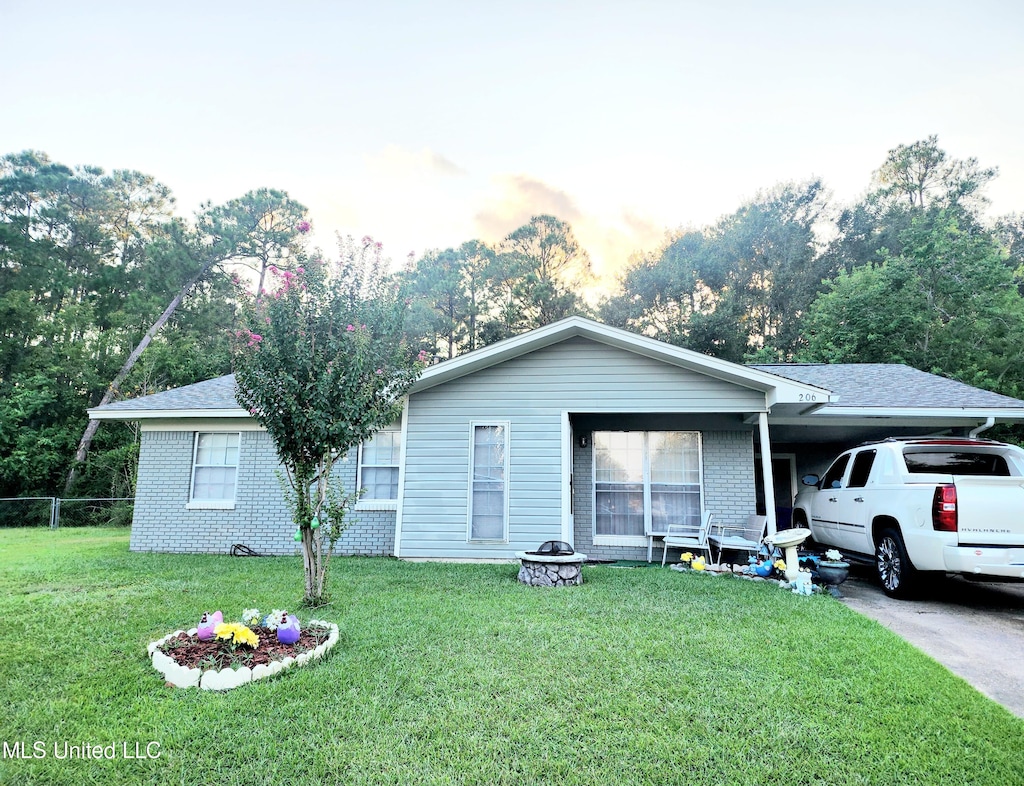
x,y
321,364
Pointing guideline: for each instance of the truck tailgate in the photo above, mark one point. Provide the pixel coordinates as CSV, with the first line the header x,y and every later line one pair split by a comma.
x,y
990,511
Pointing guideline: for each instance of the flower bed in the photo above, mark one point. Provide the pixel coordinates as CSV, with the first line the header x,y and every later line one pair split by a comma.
x,y
237,655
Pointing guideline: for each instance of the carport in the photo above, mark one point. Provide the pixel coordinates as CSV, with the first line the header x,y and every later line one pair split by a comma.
x,y
870,401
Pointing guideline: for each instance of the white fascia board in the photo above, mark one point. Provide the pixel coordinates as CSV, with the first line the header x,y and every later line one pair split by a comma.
x,y
864,416
778,389
921,412
166,414
200,424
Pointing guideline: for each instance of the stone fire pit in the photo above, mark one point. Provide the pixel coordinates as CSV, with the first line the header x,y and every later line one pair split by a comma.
x,y
549,570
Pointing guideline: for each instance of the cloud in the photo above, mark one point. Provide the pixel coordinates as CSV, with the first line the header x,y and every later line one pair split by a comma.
x,y
400,162
519,198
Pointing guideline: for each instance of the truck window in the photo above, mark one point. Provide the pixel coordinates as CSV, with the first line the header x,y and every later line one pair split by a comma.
x,y
834,477
956,462
861,469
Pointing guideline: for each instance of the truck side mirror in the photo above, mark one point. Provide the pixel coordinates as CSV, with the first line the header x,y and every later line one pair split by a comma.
x,y
810,480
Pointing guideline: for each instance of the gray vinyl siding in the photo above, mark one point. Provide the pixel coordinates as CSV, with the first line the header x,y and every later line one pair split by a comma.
x,y
260,519
530,393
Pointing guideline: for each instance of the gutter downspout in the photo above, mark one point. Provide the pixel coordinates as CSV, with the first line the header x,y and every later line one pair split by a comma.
x,y
766,472
989,423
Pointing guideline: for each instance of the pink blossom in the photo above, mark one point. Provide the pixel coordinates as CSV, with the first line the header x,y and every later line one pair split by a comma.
x,y
378,245
300,270
254,339
350,328
303,227
422,357
267,320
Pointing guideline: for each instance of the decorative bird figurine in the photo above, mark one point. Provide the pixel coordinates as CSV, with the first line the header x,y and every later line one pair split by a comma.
x,y
210,620
288,629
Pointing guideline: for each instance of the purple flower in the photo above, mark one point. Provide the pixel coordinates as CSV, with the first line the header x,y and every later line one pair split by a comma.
x,y
303,227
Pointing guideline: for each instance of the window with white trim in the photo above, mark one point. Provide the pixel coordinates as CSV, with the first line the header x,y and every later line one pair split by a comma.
x,y
488,505
643,481
214,469
379,458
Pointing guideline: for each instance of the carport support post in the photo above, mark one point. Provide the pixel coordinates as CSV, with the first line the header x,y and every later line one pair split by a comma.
x,y
766,472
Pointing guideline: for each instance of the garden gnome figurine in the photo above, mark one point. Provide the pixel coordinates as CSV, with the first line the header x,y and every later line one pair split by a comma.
x,y
204,631
288,629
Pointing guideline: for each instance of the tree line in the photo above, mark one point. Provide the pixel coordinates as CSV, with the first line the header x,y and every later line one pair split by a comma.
x,y
105,293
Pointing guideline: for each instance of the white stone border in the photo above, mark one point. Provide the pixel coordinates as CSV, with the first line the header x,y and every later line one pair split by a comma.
x,y
229,678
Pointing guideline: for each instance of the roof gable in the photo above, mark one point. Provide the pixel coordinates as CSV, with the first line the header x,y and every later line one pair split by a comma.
x,y
778,389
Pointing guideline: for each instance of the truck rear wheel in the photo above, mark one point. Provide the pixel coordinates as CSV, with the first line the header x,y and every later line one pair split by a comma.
x,y
898,577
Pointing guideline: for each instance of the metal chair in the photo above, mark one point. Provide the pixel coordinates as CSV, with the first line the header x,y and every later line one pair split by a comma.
x,y
747,538
687,536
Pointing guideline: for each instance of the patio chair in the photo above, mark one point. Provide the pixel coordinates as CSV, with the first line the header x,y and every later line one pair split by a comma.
x,y
747,538
687,536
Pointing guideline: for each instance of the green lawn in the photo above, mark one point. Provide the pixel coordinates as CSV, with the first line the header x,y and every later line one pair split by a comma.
x,y
458,674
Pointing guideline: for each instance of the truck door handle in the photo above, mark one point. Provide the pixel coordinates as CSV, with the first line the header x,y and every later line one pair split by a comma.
x,y
832,499
858,499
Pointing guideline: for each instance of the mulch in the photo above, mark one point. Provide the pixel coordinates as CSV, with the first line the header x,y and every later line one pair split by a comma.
x,y
190,652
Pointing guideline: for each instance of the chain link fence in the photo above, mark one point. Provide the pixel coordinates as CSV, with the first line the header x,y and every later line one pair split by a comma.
x,y
56,512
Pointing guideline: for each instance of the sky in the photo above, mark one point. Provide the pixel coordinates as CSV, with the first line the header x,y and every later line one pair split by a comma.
x,y
425,125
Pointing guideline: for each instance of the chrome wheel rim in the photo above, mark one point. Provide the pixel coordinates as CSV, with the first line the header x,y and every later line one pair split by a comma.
x,y
889,564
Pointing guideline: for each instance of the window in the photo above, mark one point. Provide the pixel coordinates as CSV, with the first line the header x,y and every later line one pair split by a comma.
x,y
488,505
644,480
379,458
955,462
861,469
214,470
834,477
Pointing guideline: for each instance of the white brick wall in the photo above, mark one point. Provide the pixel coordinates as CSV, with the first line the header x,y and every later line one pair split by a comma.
x,y
260,520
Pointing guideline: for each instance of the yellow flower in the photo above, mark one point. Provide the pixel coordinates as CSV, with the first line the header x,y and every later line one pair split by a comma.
x,y
780,564
698,564
687,557
247,637
224,630
236,633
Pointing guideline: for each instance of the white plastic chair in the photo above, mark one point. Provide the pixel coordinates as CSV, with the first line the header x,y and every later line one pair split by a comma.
x,y
686,536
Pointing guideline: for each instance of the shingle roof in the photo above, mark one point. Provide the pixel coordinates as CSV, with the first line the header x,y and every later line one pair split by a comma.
x,y
857,385
212,394
889,385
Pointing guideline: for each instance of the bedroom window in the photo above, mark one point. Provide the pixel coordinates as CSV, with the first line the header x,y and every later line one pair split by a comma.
x,y
379,458
488,493
214,470
643,480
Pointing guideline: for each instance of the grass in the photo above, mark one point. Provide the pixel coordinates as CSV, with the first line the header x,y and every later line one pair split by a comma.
x,y
454,674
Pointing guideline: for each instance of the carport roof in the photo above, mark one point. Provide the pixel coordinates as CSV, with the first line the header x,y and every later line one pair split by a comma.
x,y
890,386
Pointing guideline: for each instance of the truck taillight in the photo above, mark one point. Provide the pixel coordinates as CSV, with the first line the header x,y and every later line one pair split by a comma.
x,y
944,508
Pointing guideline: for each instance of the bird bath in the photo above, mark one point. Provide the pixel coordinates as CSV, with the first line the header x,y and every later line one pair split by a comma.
x,y
789,539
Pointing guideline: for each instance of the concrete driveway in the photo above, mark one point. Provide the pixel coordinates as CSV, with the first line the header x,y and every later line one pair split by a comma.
x,y
975,630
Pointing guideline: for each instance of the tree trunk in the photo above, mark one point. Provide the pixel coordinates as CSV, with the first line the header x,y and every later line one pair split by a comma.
x,y
129,364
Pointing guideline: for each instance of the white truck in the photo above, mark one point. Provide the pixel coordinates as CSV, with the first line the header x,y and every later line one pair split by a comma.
x,y
922,507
